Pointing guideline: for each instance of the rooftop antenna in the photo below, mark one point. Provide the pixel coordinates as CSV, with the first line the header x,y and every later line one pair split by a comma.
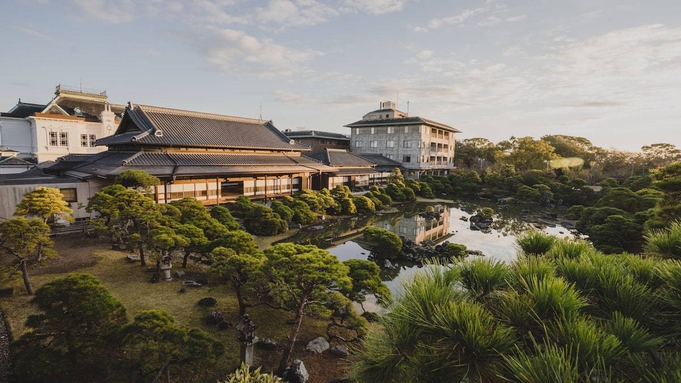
x,y
261,111
407,108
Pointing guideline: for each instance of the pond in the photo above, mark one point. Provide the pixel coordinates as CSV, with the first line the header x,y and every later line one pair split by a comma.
x,y
450,222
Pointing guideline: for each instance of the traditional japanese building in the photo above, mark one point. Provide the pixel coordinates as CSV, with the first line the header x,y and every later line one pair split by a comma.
x,y
213,158
352,171
318,140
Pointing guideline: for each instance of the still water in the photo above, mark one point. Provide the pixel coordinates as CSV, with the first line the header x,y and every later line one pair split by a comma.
x,y
452,223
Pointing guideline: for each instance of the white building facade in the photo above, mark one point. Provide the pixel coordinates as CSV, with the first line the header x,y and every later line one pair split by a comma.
x,y
69,124
423,147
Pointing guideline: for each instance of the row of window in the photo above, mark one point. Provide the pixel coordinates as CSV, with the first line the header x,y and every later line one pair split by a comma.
x,y
62,139
388,130
406,144
434,132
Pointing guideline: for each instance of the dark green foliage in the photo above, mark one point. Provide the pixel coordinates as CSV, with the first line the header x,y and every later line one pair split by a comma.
x,y
72,335
665,243
366,280
302,213
426,191
238,240
455,250
154,343
527,194
223,215
395,192
386,244
285,212
409,194
241,206
261,220
138,179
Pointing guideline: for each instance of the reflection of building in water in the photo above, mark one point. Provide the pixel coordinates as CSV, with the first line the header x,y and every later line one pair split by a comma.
x,y
422,227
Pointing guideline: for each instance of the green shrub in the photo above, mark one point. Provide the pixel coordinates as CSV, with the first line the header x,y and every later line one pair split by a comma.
x,y
386,243
455,250
426,191
302,213
395,192
347,206
261,220
363,204
285,212
385,199
409,194
241,207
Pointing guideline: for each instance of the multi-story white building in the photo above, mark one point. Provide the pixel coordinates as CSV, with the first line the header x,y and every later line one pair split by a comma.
x,y
69,124
422,146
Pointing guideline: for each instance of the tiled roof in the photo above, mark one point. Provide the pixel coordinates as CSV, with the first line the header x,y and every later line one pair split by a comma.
x,y
110,164
155,126
400,121
379,159
34,176
341,158
14,161
24,109
316,134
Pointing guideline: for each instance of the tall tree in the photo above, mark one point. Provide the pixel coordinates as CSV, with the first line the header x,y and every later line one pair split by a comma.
x,y
126,214
137,179
241,272
46,203
72,335
27,241
301,277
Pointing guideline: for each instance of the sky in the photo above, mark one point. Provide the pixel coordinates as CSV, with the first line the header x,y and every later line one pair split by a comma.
x,y
606,70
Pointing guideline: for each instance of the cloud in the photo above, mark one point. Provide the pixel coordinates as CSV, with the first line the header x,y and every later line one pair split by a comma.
x,y
375,7
301,13
595,104
516,18
32,32
111,11
233,51
455,20
291,98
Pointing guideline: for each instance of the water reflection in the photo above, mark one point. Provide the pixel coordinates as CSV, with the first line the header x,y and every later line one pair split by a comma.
x,y
448,222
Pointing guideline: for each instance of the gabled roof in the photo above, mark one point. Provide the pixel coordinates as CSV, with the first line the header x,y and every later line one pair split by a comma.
x,y
13,161
316,134
144,125
401,121
169,164
24,109
341,158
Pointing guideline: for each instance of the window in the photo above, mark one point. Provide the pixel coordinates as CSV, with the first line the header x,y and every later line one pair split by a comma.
x,y
53,139
70,194
391,129
358,144
83,140
390,144
389,156
406,129
406,144
63,139
373,130
406,158
93,138
373,144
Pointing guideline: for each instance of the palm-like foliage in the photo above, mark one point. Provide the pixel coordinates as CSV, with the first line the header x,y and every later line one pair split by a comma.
x,y
535,242
665,243
566,314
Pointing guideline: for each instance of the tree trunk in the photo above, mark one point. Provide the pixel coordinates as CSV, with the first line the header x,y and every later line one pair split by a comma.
x,y
24,275
292,337
240,299
184,260
143,261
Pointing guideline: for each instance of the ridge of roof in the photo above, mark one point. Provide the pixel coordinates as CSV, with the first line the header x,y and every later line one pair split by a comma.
x,y
190,113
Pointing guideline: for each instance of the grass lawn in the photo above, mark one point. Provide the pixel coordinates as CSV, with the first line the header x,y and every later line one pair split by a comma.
x,y
129,282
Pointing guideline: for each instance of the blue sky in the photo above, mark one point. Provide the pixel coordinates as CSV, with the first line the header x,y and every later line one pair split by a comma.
x,y
606,70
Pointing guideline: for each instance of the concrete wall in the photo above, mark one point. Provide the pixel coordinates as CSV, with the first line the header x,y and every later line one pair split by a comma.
x,y
11,196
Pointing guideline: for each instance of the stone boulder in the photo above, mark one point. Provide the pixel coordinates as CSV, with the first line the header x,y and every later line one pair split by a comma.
x,y
296,373
318,345
340,350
